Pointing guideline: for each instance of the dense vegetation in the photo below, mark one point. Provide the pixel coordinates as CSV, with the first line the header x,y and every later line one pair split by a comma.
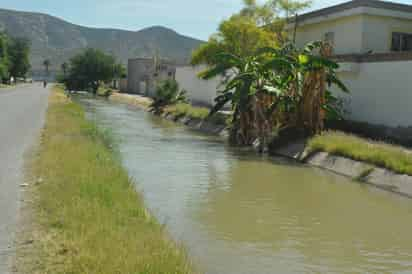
x,y
270,84
14,57
89,69
277,88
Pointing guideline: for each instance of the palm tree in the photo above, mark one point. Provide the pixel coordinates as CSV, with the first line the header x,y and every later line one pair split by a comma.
x,y
46,64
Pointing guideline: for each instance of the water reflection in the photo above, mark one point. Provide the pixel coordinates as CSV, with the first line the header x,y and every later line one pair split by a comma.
x,y
240,213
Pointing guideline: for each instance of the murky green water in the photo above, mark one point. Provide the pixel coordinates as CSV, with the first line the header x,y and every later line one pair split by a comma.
x,y
240,213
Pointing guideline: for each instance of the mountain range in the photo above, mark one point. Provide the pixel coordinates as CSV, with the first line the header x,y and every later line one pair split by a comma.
x,y
57,40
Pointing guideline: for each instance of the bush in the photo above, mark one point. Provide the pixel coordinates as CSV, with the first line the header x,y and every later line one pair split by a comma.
x,y
168,93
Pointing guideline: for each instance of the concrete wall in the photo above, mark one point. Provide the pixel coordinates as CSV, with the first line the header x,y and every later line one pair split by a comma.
x,y
355,33
144,74
198,91
137,68
347,34
377,32
381,92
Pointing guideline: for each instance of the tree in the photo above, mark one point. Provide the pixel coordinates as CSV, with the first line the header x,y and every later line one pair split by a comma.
x,y
4,58
46,64
19,50
239,35
254,27
276,88
288,8
89,68
120,71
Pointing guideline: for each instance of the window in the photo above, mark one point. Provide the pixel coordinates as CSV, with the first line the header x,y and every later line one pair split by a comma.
x,y
401,41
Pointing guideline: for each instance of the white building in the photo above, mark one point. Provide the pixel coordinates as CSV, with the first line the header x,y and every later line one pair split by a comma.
x,y
373,43
199,91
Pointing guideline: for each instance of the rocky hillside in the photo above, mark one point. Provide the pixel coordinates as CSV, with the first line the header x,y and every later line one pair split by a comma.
x,y
59,40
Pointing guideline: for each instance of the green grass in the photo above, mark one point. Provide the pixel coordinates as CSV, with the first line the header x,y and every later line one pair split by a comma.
x,y
3,86
384,155
194,112
88,216
183,109
104,91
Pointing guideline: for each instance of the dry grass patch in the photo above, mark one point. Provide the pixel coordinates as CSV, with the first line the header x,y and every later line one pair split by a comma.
x,y
384,155
90,219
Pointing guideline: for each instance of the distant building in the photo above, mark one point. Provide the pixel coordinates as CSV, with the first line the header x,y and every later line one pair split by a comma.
x,y
144,74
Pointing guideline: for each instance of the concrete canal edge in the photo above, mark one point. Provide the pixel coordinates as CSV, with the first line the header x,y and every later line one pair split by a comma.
x,y
361,172
358,171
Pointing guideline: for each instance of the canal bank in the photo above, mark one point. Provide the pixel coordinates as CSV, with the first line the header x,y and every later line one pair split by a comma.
x,y
85,214
238,212
361,171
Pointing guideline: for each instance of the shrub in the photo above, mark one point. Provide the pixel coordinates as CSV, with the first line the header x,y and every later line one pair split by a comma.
x,y
168,93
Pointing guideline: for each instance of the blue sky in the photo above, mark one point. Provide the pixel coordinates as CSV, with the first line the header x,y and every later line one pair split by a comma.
x,y
196,18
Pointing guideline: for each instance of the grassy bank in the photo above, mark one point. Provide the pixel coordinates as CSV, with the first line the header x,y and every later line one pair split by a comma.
x,y
89,218
124,98
187,110
388,156
196,112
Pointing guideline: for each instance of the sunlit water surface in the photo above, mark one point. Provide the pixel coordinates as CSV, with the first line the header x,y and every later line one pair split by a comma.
x,y
240,213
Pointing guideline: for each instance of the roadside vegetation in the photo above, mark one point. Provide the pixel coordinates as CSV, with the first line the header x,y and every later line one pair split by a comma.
x,y
88,216
14,58
394,158
90,70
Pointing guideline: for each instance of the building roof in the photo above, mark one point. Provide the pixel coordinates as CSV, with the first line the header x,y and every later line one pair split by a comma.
x,y
356,4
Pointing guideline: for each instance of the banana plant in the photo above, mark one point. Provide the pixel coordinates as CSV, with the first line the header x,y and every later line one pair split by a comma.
x,y
275,88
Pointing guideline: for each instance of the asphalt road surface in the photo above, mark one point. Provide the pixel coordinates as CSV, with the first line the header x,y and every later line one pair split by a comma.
x,y
22,114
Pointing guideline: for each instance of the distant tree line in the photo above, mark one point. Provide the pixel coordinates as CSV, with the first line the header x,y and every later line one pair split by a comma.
x,y
88,70
14,57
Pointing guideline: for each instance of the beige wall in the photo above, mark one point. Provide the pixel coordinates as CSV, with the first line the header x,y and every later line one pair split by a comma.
x,y
347,32
198,91
381,93
378,32
356,33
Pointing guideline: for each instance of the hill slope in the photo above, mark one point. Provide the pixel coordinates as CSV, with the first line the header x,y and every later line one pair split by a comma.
x,y
59,40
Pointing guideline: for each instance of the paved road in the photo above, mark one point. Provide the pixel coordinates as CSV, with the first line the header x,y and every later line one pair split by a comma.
x,y
22,113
